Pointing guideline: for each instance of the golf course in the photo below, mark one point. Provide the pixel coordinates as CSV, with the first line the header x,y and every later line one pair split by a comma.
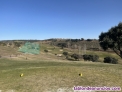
x,y
47,72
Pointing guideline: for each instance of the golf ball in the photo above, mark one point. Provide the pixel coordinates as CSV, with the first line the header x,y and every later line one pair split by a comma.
x,y
21,75
80,74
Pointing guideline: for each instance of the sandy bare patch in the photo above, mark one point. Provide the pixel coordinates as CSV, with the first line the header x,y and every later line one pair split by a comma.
x,y
60,50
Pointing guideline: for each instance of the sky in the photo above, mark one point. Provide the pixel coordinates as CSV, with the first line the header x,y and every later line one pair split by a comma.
x,y
45,19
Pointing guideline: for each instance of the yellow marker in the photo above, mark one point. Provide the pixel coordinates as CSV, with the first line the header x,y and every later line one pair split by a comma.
x,y
80,74
21,74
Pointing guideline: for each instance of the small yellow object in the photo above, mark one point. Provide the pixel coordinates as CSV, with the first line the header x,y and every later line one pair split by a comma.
x,y
21,74
80,74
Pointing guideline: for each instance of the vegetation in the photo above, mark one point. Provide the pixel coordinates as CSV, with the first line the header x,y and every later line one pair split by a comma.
x,y
112,39
110,60
17,44
89,39
48,72
45,50
3,43
75,56
62,45
82,39
92,58
65,53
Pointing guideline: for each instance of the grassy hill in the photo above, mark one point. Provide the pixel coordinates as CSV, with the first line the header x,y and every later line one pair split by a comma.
x,y
46,72
51,54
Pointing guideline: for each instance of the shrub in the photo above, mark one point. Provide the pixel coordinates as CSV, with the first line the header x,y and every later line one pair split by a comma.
x,y
65,53
95,58
45,50
89,39
86,57
62,45
92,58
110,60
75,56
82,39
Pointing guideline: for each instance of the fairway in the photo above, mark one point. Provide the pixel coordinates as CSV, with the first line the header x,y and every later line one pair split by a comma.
x,y
54,76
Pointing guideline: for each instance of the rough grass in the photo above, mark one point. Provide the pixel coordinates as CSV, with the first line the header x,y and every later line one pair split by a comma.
x,y
47,73
45,76
5,52
8,51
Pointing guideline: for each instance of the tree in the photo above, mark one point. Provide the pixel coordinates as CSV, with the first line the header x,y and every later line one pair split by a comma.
x,y
89,39
112,39
62,45
82,39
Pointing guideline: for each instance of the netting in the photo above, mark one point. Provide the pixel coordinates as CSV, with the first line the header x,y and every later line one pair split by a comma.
x,y
31,48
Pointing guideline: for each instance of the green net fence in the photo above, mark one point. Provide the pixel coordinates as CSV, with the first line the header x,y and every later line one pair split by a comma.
x,y
31,48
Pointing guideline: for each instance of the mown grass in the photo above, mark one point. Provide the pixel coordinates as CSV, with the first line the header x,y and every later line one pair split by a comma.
x,y
43,76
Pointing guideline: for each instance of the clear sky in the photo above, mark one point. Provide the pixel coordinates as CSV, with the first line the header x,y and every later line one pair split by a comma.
x,y
44,19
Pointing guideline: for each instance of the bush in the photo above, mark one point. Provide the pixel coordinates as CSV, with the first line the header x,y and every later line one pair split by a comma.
x,y
95,58
62,45
45,50
82,39
92,58
110,60
89,39
75,56
65,53
86,57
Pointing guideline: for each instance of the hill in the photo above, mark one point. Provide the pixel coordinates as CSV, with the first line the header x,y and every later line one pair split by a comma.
x,y
54,52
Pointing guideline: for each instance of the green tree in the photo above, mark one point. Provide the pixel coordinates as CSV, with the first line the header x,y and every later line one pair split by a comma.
x,y
112,39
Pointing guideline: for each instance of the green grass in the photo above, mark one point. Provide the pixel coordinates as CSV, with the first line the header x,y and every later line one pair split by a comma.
x,y
40,76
